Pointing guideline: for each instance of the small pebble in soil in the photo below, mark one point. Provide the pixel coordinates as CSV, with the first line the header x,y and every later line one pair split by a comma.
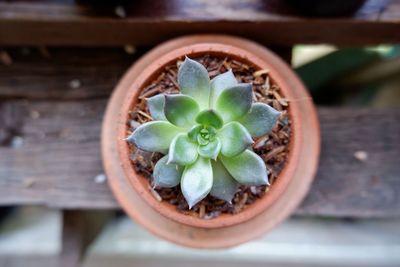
x,y
361,155
100,178
74,84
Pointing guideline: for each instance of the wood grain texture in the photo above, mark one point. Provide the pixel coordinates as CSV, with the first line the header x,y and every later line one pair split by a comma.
x,y
346,186
150,22
60,157
51,74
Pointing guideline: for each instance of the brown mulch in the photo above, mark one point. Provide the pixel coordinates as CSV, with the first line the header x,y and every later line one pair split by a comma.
x,y
273,147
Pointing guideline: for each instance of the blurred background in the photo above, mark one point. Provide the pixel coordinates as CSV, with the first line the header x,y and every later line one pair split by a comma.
x,y
355,76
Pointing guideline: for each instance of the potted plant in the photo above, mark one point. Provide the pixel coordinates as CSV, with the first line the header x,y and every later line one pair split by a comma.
x,y
210,141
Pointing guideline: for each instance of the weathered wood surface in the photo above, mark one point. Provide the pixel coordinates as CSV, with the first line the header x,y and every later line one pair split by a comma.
x,y
50,150
65,22
51,73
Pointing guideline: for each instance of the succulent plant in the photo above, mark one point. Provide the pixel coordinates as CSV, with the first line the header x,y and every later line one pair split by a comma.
x,y
206,135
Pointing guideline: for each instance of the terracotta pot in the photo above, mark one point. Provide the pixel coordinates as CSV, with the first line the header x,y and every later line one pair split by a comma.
x,y
161,218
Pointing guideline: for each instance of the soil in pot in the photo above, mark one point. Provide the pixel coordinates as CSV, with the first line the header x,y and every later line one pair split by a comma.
x,y
273,147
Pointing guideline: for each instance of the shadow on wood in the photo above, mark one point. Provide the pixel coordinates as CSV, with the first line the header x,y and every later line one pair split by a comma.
x,y
80,228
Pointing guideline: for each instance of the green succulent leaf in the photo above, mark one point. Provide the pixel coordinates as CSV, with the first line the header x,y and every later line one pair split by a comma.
x,y
194,81
154,136
247,168
260,120
234,139
209,117
156,107
194,132
181,110
234,102
197,180
224,185
166,175
182,150
219,84
211,150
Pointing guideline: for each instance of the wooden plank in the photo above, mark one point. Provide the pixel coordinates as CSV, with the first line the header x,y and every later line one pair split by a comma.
x,y
346,186
60,73
57,162
61,169
150,22
79,229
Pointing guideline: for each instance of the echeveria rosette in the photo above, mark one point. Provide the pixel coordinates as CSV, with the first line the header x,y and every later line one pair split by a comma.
x,y
206,135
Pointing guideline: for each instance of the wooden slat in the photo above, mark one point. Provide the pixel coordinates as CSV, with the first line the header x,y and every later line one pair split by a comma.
x,y
54,74
60,157
345,186
150,22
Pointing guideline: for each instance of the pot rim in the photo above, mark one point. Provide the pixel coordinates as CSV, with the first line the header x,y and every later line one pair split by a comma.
x,y
228,236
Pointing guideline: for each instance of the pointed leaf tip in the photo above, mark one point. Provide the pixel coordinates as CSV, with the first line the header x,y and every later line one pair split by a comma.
x,y
219,84
260,120
194,81
197,180
247,168
154,136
